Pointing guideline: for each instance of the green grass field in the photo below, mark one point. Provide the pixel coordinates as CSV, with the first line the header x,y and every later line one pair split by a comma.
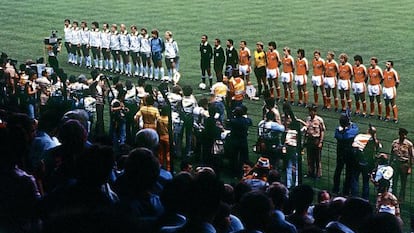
x,y
369,28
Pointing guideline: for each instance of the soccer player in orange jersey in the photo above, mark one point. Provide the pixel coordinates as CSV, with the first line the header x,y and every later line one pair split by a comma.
x,y
374,87
331,74
317,78
358,86
301,77
391,82
287,74
244,61
344,83
272,68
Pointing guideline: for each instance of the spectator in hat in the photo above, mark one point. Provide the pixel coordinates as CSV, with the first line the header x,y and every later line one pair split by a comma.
x,y
257,176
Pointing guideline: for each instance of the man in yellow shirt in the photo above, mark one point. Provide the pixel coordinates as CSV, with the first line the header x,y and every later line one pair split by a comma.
x,y
260,67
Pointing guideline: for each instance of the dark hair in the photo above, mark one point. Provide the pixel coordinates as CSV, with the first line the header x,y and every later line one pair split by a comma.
x,y
76,22
273,44
205,36
302,52
301,197
278,193
155,32
391,62
187,90
270,115
144,29
203,102
244,42
95,164
255,210
230,41
358,58
165,110
149,100
374,59
96,24
218,40
67,20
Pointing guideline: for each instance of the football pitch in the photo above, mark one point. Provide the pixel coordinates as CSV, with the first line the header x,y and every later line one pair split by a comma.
x,y
369,28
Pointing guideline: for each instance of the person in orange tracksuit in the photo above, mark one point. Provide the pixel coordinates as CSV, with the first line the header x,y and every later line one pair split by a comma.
x,y
272,69
287,74
331,74
358,86
375,78
162,130
317,78
391,82
344,83
301,77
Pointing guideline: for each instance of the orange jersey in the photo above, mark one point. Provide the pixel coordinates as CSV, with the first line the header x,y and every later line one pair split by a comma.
x,y
301,66
345,71
331,68
244,57
391,78
272,58
318,67
375,75
360,72
288,64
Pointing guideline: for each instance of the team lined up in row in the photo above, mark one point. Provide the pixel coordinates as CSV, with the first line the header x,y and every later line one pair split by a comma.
x,y
112,50
328,76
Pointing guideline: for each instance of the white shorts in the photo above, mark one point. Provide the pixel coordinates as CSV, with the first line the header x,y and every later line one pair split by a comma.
x,y
344,85
317,81
389,92
329,82
243,70
272,73
287,77
301,80
374,90
358,88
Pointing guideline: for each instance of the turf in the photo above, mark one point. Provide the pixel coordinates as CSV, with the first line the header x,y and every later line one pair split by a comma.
x,y
369,28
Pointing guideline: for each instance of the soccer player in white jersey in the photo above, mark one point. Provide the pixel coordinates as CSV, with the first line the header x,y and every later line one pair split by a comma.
x,y
105,42
95,45
75,43
124,40
115,47
171,51
68,37
85,37
145,54
134,49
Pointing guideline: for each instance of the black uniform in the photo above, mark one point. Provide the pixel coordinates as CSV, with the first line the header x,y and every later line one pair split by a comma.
x,y
206,52
219,60
232,57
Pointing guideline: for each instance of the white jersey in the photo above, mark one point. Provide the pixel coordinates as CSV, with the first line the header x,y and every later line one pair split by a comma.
x,y
124,41
171,48
114,41
68,34
145,44
84,36
135,39
95,38
76,36
105,39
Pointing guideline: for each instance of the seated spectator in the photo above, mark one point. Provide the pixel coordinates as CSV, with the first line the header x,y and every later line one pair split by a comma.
x,y
382,223
386,201
257,177
301,198
240,189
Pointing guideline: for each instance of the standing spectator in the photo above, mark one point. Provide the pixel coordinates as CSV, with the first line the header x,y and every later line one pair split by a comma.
x,y
99,89
402,157
171,55
157,48
237,90
331,74
219,58
358,86
118,112
105,43
374,87
146,54
219,90
149,114
238,145
272,69
260,68
232,58
391,82
301,78
115,47
344,83
317,78
365,147
188,103
345,134
162,130
95,43
315,132
287,75
132,103
85,38
206,53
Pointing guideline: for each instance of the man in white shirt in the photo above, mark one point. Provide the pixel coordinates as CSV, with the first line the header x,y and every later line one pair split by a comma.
x,y
171,51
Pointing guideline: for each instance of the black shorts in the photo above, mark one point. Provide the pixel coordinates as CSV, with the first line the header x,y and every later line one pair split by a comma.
x,y
156,57
169,62
205,64
260,72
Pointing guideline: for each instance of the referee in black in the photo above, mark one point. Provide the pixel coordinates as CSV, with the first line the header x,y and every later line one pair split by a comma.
x,y
206,52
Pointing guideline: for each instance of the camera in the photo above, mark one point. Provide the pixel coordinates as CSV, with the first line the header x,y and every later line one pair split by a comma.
x,y
53,39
